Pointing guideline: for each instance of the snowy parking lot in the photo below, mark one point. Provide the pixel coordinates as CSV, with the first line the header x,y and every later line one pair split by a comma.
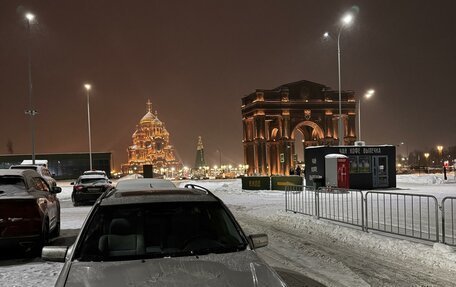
x,y
330,253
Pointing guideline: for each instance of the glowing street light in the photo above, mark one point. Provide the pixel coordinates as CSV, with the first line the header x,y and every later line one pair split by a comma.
x,y
426,156
440,149
31,112
368,95
88,87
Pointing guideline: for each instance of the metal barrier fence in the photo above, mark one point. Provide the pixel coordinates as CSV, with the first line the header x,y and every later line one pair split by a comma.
x,y
300,199
411,215
341,205
449,220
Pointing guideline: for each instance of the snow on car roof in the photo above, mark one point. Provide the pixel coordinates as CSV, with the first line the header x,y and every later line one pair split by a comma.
x,y
119,197
84,176
17,172
144,184
95,172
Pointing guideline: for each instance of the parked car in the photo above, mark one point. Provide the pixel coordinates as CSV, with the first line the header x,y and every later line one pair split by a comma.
x,y
162,237
88,188
41,169
29,209
95,172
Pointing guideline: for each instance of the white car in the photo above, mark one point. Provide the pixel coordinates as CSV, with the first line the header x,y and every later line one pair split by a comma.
x,y
41,170
162,237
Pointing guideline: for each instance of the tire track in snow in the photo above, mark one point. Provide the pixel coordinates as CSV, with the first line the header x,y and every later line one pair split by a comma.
x,y
336,264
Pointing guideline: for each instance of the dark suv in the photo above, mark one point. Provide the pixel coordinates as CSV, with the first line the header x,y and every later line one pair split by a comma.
x,y
29,209
162,237
88,188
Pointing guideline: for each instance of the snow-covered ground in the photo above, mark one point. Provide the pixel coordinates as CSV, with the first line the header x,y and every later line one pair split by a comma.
x,y
332,254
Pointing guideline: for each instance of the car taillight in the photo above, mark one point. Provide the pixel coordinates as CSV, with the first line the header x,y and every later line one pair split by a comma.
x,y
78,187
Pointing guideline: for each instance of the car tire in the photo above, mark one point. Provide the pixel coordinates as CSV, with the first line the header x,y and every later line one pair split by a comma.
x,y
44,238
45,233
56,231
75,203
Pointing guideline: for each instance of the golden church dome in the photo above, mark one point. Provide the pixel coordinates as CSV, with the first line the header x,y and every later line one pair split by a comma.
x,y
150,145
148,118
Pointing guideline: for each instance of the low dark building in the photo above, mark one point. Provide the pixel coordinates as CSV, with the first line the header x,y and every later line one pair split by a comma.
x,y
370,166
64,165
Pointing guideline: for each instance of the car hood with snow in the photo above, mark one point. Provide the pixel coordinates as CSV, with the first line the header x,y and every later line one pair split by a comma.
x,y
243,268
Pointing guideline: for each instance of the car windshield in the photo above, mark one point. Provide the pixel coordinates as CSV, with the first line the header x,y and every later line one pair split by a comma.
x,y
12,183
154,230
24,167
92,180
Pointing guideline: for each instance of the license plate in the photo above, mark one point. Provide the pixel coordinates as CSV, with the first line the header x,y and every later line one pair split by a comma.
x,y
93,189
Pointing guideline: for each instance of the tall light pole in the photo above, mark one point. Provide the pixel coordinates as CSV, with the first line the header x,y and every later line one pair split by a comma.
x,y
31,112
406,149
368,94
88,87
220,157
426,155
345,21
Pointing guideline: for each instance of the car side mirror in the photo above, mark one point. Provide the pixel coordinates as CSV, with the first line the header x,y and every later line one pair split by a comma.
x,y
56,189
54,253
110,181
258,240
72,183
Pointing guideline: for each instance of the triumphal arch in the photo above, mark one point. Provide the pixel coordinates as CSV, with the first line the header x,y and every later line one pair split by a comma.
x,y
273,120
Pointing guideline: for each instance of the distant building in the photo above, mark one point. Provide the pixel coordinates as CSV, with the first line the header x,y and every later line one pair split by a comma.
x,y
63,165
200,162
151,145
273,119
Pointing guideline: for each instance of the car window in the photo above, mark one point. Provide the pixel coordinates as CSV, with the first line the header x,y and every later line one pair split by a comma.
x,y
159,230
16,182
24,167
40,184
92,180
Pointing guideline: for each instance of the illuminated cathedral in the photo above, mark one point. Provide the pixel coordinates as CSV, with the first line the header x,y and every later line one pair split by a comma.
x,y
151,146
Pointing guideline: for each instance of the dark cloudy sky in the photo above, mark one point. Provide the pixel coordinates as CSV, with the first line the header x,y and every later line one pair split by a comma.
x,y
196,59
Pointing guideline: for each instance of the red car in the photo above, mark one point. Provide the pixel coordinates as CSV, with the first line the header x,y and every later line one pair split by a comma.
x,y
29,209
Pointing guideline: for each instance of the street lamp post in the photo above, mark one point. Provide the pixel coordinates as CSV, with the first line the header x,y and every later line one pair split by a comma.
x,y
440,149
220,157
88,87
31,112
426,155
368,94
346,20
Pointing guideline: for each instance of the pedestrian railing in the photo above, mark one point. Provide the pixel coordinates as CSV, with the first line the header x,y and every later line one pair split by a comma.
x,y
300,199
404,214
449,220
341,205
411,215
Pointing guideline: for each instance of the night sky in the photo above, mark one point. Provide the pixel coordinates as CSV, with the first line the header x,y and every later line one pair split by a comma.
x,y
195,60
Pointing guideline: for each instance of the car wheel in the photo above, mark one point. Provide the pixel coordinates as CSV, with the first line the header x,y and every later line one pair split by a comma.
x,y
44,239
56,231
75,203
